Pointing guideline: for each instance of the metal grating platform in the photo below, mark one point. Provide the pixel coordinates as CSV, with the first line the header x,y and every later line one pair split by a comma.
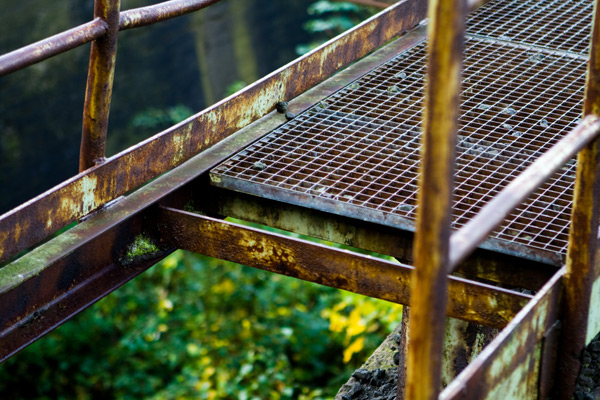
x,y
356,153
563,25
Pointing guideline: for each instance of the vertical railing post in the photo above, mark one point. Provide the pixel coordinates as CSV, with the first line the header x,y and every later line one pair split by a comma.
x,y
582,269
429,282
99,86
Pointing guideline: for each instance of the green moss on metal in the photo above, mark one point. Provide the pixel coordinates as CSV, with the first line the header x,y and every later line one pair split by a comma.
x,y
34,262
142,248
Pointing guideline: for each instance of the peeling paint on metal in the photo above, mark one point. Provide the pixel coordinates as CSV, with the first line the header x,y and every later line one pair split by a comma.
x,y
518,384
15,273
346,270
88,189
518,344
593,325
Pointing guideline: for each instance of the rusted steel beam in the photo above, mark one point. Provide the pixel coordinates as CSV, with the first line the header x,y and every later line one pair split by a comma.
x,y
82,265
143,16
49,47
30,223
482,264
101,73
508,367
582,262
370,276
440,124
466,239
60,278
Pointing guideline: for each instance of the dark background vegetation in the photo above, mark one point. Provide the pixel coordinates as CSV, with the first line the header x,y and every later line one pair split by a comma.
x,y
190,327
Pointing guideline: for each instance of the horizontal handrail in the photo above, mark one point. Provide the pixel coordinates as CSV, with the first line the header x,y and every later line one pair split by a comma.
x,y
52,46
472,234
95,29
149,15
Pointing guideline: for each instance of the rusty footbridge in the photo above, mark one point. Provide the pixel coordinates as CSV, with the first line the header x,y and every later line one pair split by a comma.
x,y
458,136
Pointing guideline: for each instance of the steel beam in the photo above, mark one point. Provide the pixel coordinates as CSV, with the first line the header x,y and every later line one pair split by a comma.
x,y
486,265
509,367
342,269
60,278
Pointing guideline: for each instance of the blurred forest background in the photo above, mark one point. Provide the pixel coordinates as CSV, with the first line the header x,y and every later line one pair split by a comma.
x,y
190,327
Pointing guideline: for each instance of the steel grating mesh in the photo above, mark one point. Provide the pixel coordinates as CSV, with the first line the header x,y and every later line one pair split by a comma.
x,y
357,152
554,24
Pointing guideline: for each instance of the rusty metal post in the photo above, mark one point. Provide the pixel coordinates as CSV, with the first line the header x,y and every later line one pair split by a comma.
x,y
583,236
98,93
429,281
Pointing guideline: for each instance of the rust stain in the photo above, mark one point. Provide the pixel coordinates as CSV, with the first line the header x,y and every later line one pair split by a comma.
x,y
431,258
148,15
52,46
512,349
583,234
332,267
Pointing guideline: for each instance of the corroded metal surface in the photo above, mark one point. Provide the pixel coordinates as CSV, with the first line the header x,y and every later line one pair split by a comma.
x,y
52,46
356,153
508,367
434,199
582,262
507,270
33,221
60,278
463,342
148,15
98,94
466,239
325,265
57,279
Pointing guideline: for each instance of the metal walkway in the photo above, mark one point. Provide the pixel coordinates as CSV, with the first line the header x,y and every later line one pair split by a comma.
x,y
522,91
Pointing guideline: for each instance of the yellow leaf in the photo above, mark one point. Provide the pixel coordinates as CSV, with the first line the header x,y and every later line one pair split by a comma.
x,y
165,304
246,324
355,347
172,260
225,287
355,325
337,322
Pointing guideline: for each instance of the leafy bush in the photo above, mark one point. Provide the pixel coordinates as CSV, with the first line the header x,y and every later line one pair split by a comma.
x,y
195,327
330,18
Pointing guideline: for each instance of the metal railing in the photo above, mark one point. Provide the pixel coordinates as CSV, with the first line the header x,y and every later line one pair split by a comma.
x,y
102,31
438,252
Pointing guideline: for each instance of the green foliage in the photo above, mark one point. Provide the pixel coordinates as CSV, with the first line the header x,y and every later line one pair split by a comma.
x,y
324,6
193,327
155,119
235,87
330,19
